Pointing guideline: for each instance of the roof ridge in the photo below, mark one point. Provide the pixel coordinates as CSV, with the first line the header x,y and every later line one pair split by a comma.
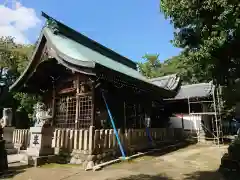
x,y
197,84
163,77
86,41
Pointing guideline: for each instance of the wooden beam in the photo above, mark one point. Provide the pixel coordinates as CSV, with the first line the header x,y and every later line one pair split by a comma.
x,y
125,118
67,90
84,94
77,81
93,104
53,105
67,113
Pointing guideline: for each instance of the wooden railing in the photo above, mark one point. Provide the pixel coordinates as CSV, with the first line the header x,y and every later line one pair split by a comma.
x,y
21,138
97,141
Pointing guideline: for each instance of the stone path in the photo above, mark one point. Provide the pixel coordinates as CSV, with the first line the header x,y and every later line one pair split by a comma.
x,y
196,162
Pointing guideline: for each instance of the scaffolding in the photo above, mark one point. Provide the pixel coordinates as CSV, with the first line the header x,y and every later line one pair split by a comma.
x,y
214,105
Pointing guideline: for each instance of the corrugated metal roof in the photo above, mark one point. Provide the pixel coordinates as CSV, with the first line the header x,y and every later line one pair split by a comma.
x,y
170,82
200,90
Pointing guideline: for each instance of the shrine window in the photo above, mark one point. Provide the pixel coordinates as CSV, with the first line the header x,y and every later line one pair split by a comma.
x,y
65,111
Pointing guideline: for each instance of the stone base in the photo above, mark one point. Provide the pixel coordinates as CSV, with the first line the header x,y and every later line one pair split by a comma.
x,y
40,150
40,142
88,161
18,146
3,157
38,161
12,151
35,152
8,134
9,145
10,148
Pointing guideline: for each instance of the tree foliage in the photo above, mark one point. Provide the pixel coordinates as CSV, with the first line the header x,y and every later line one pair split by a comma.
x,y
153,67
13,60
150,68
209,32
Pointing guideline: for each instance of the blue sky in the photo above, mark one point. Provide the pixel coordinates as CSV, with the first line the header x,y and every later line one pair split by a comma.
x,y
129,27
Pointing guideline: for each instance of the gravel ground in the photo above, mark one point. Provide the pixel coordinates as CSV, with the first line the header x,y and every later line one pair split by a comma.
x,y
195,162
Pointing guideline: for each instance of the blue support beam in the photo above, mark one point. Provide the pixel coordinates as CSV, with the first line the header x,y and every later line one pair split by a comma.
x,y
114,127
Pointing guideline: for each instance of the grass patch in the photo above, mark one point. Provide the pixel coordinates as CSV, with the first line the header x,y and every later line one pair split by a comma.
x,y
133,161
55,165
143,158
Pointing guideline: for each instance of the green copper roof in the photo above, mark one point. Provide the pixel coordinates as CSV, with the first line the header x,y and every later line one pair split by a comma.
x,y
80,55
72,49
60,28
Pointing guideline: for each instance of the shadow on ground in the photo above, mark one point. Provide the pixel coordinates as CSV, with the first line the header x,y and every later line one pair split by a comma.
x,y
204,175
199,175
13,171
146,177
231,175
166,148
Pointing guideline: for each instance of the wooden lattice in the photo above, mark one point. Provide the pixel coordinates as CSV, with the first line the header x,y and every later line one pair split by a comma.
x,y
131,115
84,111
65,112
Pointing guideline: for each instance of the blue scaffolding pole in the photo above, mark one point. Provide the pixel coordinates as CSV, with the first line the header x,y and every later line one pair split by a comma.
x,y
149,135
114,127
147,124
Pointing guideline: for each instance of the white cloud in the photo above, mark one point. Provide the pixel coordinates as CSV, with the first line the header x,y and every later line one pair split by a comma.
x,y
16,22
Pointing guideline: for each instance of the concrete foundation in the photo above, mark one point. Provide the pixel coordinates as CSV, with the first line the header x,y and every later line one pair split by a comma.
x,y
40,150
3,157
8,136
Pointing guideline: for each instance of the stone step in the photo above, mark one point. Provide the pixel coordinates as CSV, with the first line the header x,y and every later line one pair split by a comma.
x,y
11,151
9,145
12,158
17,158
24,158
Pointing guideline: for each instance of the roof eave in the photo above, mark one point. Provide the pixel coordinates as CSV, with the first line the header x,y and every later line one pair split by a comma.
x,y
77,35
29,70
56,52
60,57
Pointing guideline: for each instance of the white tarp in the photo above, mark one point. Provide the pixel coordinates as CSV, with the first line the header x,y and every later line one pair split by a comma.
x,y
192,122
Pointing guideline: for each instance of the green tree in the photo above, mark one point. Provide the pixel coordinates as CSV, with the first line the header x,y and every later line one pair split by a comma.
x,y
209,33
14,57
13,60
178,65
150,68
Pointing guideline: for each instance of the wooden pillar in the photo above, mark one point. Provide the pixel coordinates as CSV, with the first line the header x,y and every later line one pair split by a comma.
x,y
93,121
182,121
77,81
67,114
125,118
53,104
